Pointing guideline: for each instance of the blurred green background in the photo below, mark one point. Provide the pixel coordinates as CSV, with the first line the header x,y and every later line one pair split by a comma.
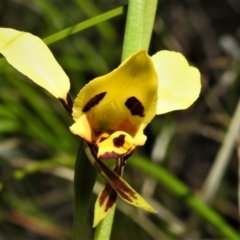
x,y
37,150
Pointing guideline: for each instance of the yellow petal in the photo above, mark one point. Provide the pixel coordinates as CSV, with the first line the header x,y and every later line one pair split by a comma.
x,y
140,138
107,116
179,83
30,56
104,204
116,145
131,90
82,128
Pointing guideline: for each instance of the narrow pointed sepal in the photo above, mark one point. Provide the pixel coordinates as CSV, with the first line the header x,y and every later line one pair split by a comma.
x,y
123,189
128,194
104,204
31,56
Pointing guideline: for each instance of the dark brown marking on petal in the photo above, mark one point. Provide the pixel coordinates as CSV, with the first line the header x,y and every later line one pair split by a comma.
x,y
119,141
67,104
93,101
108,196
109,155
102,139
114,180
123,190
97,133
135,106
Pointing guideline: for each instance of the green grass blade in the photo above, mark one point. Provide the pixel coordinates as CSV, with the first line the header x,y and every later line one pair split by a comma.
x,y
90,9
84,25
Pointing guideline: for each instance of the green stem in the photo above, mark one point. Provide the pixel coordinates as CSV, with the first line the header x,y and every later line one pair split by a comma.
x,y
103,230
139,26
84,179
138,32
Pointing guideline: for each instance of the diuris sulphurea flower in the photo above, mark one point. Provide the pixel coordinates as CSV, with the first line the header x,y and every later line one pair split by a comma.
x,y
111,112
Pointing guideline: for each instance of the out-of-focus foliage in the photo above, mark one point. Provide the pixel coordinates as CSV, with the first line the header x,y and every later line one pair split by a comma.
x,y
37,150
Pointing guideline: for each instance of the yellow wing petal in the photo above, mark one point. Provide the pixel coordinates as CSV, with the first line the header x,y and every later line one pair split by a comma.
x,y
82,128
179,84
30,56
129,93
140,138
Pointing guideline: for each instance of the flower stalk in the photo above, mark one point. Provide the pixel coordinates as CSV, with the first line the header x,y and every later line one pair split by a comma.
x,y
139,26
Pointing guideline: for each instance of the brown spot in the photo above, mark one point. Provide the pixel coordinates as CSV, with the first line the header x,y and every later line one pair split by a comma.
x,y
97,133
93,101
109,155
108,196
67,104
135,106
122,189
119,141
102,139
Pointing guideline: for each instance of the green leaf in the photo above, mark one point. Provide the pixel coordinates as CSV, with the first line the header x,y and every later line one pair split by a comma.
x,y
84,25
84,179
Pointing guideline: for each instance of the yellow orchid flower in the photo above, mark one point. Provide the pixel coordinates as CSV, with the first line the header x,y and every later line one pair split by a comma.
x,y
111,112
